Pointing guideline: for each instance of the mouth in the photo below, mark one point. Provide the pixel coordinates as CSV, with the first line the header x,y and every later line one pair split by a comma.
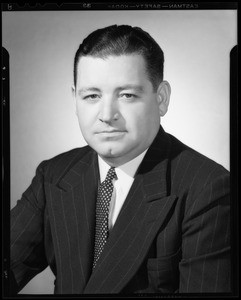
x,y
111,133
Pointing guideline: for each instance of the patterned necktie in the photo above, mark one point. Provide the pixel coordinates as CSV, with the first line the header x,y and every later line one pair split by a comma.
x,y
102,212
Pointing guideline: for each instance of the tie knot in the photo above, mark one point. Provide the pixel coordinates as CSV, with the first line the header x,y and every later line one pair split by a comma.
x,y
111,174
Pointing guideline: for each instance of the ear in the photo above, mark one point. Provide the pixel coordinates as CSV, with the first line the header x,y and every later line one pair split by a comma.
x,y
163,97
73,91
74,97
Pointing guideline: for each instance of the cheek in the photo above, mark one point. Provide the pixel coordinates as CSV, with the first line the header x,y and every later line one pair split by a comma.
x,y
142,116
85,116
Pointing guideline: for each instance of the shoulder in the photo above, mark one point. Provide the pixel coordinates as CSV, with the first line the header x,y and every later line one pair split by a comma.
x,y
62,162
198,181
190,168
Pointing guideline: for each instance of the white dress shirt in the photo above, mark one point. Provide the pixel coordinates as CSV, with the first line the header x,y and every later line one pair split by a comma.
x,y
125,177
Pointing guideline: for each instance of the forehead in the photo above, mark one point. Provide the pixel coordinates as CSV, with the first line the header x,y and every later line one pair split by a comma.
x,y
120,69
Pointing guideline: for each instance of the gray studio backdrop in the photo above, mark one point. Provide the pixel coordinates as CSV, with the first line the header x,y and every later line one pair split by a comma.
x,y
43,123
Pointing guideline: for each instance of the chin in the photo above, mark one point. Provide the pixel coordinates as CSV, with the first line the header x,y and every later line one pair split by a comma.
x,y
109,152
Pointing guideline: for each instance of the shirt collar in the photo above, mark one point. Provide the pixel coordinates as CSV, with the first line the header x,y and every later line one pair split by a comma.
x,y
126,170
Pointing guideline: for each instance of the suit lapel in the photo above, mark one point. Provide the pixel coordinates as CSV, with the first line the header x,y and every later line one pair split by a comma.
x,y
73,209
141,216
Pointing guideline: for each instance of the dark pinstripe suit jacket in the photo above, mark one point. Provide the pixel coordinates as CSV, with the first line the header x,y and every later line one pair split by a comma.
x,y
172,234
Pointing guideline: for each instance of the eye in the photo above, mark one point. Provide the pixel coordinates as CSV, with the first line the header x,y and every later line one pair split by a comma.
x,y
127,96
91,97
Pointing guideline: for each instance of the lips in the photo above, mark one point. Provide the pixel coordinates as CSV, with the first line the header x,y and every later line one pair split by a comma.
x,y
113,134
110,131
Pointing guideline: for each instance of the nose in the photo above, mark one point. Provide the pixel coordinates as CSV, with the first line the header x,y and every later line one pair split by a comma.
x,y
108,111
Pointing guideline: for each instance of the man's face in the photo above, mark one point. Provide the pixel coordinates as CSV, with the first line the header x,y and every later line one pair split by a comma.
x,y
116,105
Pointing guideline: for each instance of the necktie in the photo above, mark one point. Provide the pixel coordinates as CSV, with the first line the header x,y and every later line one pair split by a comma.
x,y
102,211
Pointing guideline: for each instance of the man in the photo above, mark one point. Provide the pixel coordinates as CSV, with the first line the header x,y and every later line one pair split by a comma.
x,y
135,211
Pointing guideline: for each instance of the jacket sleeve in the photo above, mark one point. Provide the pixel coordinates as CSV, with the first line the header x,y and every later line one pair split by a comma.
x,y
27,250
206,261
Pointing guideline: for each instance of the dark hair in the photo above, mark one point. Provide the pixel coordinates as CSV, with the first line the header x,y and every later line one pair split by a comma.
x,y
120,40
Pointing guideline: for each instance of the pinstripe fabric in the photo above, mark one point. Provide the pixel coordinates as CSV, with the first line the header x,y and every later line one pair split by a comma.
x,y
172,233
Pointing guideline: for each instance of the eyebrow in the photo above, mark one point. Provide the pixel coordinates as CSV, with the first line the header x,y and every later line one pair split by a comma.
x,y
90,89
138,88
